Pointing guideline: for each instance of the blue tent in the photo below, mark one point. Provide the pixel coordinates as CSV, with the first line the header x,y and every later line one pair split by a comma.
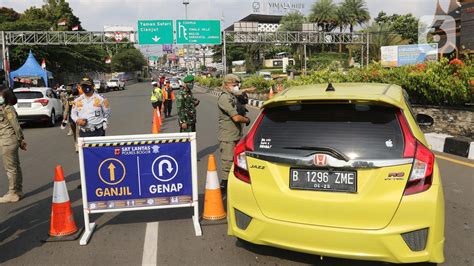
x,y
31,69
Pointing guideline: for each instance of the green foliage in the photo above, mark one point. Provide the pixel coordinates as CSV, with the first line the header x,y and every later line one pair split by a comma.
x,y
329,60
405,25
381,36
8,15
293,21
257,82
128,60
209,82
323,12
356,12
436,83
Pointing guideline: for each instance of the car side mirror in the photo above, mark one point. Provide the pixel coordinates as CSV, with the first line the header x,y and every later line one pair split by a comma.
x,y
424,120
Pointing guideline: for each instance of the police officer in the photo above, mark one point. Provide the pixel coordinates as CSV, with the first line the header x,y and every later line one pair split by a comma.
x,y
230,125
156,96
72,94
11,138
90,111
168,98
186,105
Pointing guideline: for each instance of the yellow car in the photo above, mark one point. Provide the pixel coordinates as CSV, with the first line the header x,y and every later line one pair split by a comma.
x,y
340,170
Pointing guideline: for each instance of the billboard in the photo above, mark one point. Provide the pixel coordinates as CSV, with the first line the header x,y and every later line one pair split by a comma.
x,y
393,56
467,26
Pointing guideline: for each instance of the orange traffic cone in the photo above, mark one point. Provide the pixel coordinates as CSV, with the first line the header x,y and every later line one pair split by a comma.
x,y
156,127
62,218
270,94
213,205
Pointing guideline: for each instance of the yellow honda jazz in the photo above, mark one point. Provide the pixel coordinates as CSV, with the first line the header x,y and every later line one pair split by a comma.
x,y
339,170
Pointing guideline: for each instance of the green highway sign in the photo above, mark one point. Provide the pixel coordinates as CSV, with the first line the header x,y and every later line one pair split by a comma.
x,y
153,58
155,32
198,32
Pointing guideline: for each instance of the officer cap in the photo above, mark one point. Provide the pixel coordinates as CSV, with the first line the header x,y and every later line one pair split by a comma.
x,y
86,83
188,79
231,78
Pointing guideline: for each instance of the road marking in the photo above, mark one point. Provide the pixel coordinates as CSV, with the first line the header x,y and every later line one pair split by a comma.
x,y
455,161
150,247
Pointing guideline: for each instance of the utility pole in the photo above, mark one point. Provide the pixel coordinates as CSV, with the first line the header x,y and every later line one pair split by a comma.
x,y
186,47
5,60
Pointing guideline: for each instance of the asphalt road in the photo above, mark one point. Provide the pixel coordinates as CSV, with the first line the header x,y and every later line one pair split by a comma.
x,y
120,237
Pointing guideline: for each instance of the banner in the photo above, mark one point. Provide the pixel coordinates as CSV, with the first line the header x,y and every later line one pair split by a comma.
x,y
138,172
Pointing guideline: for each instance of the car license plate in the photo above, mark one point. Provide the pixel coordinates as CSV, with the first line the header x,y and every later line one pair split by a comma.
x,y
24,105
323,180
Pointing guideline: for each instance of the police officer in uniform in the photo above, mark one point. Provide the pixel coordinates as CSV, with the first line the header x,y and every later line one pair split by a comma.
x,y
156,96
11,138
230,125
186,105
90,111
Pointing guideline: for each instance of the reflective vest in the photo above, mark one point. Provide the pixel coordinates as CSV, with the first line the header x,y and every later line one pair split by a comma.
x,y
156,95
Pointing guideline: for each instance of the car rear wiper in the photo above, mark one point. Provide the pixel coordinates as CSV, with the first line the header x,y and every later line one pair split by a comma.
x,y
330,151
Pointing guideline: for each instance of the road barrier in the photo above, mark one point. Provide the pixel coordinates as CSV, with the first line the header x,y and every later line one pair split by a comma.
x,y
138,172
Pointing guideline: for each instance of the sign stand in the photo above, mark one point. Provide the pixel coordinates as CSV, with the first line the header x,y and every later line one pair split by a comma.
x,y
172,157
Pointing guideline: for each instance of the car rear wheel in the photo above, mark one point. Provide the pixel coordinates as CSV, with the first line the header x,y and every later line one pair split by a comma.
x,y
52,119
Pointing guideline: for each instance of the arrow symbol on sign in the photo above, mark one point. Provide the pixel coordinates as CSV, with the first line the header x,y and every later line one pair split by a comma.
x,y
156,38
160,167
112,172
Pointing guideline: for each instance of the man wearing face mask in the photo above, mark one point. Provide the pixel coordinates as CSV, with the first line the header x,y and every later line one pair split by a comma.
x,y
90,111
230,125
11,138
186,105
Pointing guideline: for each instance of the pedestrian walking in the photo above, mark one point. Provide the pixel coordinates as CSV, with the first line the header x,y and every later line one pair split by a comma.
x,y
156,96
186,106
230,125
90,111
72,95
11,138
168,98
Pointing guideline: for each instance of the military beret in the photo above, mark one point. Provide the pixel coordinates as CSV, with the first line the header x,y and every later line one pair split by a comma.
x,y
188,79
231,78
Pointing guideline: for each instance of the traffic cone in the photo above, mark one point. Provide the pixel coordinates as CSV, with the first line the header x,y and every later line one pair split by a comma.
x,y
213,204
156,127
62,218
270,94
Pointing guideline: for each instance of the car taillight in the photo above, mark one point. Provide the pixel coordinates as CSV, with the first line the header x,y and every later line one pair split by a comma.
x,y
421,173
240,158
43,102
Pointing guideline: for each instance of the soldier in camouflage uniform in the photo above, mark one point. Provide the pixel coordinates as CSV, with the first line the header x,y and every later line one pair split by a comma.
x,y
186,104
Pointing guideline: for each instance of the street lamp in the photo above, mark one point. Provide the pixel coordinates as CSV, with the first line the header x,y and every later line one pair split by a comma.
x,y
186,3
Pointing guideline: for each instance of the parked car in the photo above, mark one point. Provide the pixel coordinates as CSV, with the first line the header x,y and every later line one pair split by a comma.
x,y
115,84
100,86
341,171
38,105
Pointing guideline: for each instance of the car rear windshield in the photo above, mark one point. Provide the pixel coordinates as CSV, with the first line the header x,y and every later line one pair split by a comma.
x,y
25,95
358,131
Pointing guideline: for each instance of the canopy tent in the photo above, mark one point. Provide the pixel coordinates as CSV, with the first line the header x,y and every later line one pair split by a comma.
x,y
31,69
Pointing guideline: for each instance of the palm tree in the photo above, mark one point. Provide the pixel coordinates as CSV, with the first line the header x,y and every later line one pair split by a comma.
x,y
323,12
380,35
293,21
357,12
342,17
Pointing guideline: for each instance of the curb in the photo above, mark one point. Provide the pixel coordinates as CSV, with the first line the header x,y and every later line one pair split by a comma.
x,y
439,142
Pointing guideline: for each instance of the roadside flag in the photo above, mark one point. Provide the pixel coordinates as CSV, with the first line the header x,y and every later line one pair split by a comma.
x,y
62,22
43,64
75,28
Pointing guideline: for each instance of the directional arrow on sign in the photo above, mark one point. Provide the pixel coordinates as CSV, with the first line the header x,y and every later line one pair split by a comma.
x,y
155,39
160,167
112,172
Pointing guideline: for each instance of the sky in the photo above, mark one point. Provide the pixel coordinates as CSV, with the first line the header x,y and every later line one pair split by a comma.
x,y
94,14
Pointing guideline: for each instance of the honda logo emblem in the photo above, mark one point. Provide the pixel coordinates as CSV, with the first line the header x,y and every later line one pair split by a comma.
x,y
320,159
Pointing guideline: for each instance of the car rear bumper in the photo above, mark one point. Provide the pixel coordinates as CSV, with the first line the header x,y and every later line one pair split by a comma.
x,y
424,210
33,118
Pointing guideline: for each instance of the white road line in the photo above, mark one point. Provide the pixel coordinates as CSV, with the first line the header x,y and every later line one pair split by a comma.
x,y
150,247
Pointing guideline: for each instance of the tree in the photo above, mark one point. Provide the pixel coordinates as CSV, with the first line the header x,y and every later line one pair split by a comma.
x,y
381,36
323,12
8,15
293,21
356,12
57,10
405,25
128,60
342,17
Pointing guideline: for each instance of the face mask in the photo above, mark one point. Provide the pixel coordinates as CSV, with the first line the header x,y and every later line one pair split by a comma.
x,y
2,100
86,89
235,89
190,86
